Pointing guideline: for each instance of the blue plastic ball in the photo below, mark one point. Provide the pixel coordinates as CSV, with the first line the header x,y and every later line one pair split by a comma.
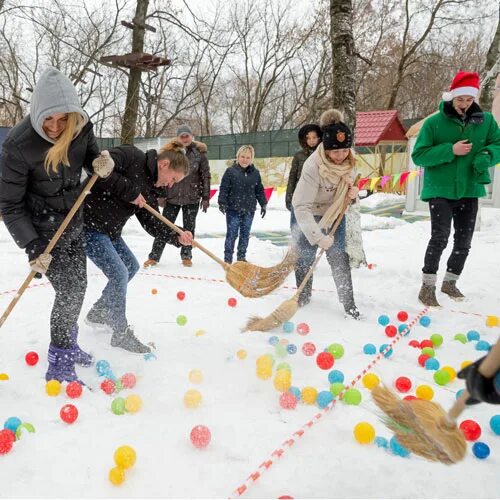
x,y
495,424
472,335
274,340
288,327
291,348
381,442
496,381
425,321
482,345
402,327
432,364
324,398
296,392
388,353
481,450
397,448
335,376
12,424
459,393
369,349
383,320
102,367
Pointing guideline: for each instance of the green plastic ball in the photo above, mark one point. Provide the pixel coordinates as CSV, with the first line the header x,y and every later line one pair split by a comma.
x,y
352,397
441,377
429,351
284,366
336,350
280,350
118,406
118,385
436,339
336,388
181,320
461,338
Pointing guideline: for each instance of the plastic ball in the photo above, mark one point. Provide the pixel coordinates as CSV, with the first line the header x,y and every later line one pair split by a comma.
x,y
429,351
492,321
309,395
422,359
231,302
154,291
181,320
403,384
451,371
116,475
424,392
482,345
199,333
336,388
284,366
265,360
397,448
402,316
133,403
288,327
414,343
108,386
128,380
369,349
471,429
495,424
432,364
200,436
381,442
383,320
282,380
284,342
370,380
125,457
388,353
335,376
459,393
426,343
352,397
241,354
53,387
296,392
336,350
280,351
68,413
324,399
391,330
181,295
325,360
472,335
461,338
401,329
464,364
364,433
274,340
481,450
118,385
195,376
409,397
7,438
288,401
436,339
302,328
264,372
118,406
308,348
74,390
31,358
192,398
12,423
4,376
291,348
441,377
102,367
425,321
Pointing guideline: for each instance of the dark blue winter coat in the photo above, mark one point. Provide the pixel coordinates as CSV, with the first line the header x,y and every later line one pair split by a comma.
x,y
241,189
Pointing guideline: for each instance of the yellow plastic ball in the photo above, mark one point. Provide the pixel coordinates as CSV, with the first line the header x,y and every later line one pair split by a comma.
x,y
117,475
53,387
463,364
192,398
424,392
364,433
492,321
199,333
241,354
282,380
195,377
451,371
264,372
4,376
370,380
133,403
309,395
125,457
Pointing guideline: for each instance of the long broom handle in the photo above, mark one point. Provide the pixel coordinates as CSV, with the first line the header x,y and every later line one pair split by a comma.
x,y
172,226
51,245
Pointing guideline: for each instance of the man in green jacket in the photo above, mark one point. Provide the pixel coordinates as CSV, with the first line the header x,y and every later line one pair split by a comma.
x,y
456,146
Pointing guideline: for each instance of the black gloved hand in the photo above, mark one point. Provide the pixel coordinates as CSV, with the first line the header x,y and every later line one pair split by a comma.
x,y
480,388
289,207
35,248
222,208
263,211
204,204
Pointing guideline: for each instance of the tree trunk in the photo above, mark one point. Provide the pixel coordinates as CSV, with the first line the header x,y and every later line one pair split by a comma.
x,y
492,59
134,79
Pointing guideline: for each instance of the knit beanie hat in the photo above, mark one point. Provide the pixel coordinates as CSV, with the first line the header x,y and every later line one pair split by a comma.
x,y
336,134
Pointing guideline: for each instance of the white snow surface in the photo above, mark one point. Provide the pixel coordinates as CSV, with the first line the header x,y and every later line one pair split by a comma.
x,y
242,411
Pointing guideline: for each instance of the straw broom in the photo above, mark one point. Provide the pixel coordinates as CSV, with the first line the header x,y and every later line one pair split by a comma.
x,y
248,279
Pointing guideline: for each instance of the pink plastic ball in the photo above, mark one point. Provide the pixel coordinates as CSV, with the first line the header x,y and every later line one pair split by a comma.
x,y
128,380
200,436
325,360
31,358
181,295
108,386
302,328
308,348
403,384
69,413
288,401
232,302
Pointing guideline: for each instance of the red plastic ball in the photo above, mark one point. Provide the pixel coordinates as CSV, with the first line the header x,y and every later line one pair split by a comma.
x,y
69,413
7,438
414,343
232,302
74,390
402,316
422,359
181,295
200,436
302,328
324,360
288,401
108,386
391,330
471,430
283,497
426,343
128,380
31,358
309,348
403,384
410,398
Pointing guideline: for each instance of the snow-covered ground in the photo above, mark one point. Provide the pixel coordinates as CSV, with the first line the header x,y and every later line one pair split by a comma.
x,y
242,411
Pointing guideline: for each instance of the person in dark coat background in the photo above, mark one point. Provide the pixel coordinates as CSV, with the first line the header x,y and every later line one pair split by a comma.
x,y
240,190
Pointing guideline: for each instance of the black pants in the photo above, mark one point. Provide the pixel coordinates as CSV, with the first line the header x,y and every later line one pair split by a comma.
x,y
463,214
67,274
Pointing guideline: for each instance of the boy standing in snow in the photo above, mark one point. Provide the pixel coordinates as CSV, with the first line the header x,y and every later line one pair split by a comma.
x,y
456,146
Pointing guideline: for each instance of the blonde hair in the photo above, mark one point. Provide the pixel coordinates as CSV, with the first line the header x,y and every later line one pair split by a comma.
x,y
175,153
58,153
351,158
247,147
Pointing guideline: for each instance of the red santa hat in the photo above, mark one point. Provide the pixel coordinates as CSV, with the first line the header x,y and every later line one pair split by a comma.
x,y
464,83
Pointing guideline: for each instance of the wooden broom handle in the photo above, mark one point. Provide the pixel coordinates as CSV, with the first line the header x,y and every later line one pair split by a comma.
x,y
172,226
51,245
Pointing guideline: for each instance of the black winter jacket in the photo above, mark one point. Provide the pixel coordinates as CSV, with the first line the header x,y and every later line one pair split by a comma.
x,y
109,207
298,161
33,203
241,188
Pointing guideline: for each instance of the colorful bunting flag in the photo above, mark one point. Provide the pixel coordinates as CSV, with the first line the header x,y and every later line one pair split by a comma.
x,y
212,192
280,190
268,192
403,177
362,182
395,179
384,180
373,183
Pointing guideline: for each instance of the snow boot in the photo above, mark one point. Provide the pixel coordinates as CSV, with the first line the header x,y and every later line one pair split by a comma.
x,y
61,365
81,357
427,296
128,341
449,287
150,263
352,312
187,262
97,317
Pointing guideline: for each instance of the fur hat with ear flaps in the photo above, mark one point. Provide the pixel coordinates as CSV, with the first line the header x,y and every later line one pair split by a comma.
x,y
336,134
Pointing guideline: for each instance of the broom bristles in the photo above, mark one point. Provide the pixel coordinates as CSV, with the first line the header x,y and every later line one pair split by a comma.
x,y
281,314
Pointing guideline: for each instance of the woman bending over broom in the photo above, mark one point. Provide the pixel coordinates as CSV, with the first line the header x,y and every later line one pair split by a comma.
x,y
319,198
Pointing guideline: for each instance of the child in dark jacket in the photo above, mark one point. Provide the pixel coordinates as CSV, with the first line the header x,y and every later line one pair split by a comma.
x,y
240,190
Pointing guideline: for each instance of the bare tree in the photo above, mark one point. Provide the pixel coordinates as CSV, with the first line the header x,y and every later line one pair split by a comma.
x,y
491,68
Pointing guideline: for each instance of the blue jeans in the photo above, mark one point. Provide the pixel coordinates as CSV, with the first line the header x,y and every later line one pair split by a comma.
x,y
119,265
237,222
